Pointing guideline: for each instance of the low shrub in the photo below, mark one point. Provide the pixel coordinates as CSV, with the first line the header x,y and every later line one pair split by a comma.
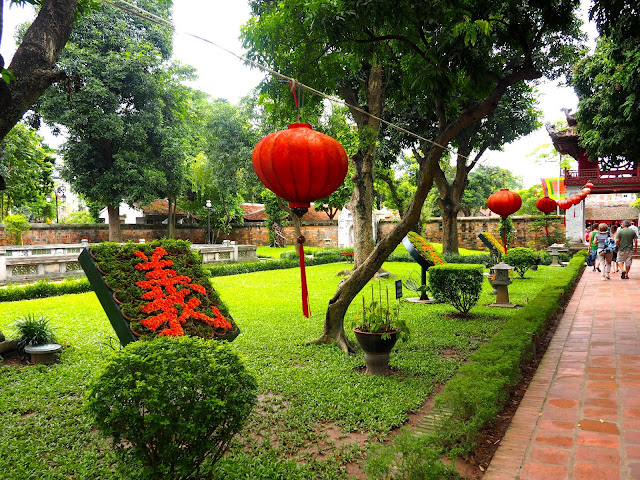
x,y
521,259
223,270
457,284
16,225
468,259
44,288
34,330
169,404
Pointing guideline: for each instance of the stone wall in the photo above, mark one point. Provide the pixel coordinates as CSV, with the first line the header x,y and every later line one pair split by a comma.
x,y
315,233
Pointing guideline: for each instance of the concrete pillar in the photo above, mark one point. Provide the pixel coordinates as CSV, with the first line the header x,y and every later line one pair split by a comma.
x,y
575,218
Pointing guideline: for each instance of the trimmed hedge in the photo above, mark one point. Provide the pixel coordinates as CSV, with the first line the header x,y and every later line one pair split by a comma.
x,y
44,288
484,384
457,284
248,267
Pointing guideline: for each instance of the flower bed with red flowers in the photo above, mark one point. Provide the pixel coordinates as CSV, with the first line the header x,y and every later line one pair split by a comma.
x,y
162,290
425,250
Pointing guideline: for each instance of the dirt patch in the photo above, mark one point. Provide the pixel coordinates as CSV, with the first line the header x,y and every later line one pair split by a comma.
x,y
14,359
466,316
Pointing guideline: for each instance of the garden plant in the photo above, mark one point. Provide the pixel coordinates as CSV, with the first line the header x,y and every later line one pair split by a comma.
x,y
521,259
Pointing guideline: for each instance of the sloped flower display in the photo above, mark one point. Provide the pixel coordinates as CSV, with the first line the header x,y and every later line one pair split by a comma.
x,y
160,290
492,243
425,250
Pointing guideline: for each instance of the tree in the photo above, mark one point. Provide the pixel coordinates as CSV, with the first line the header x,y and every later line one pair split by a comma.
x,y
222,171
114,112
483,181
33,67
451,64
514,116
26,165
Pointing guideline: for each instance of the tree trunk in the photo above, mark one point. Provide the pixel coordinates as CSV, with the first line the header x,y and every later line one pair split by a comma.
x,y
449,210
361,202
171,220
115,234
34,61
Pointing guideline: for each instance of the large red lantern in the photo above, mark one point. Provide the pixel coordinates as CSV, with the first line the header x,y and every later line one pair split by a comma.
x,y
504,203
300,165
546,205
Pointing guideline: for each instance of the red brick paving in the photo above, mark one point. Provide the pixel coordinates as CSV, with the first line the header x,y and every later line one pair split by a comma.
x,y
580,417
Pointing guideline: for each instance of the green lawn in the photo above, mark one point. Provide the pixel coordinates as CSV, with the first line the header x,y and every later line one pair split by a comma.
x,y
314,402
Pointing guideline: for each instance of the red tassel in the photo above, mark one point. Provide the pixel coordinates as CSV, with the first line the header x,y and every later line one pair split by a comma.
x,y
303,279
504,239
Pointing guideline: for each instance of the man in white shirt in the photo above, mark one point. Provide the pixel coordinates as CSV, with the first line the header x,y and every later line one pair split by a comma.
x,y
635,242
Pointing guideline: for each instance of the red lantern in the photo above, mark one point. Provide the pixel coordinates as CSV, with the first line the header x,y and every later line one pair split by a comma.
x,y
582,196
546,205
564,203
588,185
575,199
586,190
300,165
504,203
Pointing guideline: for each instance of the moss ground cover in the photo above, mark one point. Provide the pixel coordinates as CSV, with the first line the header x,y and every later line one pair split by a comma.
x,y
306,392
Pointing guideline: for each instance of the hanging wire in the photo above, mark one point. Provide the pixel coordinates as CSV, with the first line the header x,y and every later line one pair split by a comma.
x,y
139,12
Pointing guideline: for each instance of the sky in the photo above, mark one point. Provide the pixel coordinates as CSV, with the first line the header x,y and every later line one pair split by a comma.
x,y
222,75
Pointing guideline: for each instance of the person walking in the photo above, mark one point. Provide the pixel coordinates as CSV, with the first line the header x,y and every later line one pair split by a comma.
x,y
604,257
593,246
625,239
614,259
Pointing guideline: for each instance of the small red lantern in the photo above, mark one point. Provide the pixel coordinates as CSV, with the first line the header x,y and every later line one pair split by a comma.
x,y
504,203
588,185
582,196
546,205
586,190
575,199
300,165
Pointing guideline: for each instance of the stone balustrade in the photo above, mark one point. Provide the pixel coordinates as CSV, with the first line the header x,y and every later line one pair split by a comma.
x,y
30,263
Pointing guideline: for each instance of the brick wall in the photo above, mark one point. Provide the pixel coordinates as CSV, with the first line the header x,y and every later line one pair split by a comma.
x,y
257,234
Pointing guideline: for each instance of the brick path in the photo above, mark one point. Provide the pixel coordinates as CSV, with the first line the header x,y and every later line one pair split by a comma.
x,y
580,417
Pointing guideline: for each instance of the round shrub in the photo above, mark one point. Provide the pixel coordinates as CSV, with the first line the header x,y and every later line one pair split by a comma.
x,y
457,284
171,403
521,259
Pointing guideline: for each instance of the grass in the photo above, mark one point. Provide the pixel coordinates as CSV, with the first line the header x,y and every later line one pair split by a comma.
x,y
305,391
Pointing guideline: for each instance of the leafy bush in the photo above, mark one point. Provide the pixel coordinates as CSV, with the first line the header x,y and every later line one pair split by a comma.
x,y
223,270
545,258
521,259
16,225
34,330
169,404
81,216
44,288
457,284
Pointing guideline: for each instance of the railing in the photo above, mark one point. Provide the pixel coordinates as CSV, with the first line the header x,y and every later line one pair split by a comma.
x,y
29,263
605,177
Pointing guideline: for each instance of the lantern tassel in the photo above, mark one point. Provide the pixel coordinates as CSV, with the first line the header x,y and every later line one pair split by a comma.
x,y
303,279
546,227
297,220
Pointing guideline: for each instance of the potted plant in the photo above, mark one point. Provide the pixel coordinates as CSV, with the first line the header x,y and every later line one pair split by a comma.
x,y
377,331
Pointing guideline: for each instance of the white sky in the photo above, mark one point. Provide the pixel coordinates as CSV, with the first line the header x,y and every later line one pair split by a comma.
x,y
222,75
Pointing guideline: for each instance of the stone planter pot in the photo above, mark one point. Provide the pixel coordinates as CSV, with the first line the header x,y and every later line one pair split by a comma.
x,y
376,350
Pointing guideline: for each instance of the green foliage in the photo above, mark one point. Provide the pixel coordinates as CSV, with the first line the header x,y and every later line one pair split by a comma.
x,y
169,404
521,259
378,318
16,225
223,270
409,457
480,259
82,216
506,225
456,284
483,181
26,165
34,330
43,288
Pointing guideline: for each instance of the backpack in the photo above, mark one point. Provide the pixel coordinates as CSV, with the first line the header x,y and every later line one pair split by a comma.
x,y
609,245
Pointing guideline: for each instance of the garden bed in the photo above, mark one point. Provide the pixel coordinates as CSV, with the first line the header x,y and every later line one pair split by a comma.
x,y
318,415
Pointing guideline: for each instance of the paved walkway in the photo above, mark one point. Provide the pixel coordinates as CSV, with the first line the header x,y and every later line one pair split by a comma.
x,y
580,417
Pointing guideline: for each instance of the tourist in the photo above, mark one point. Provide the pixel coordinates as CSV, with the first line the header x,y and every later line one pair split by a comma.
x,y
605,258
614,262
635,229
625,240
593,245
